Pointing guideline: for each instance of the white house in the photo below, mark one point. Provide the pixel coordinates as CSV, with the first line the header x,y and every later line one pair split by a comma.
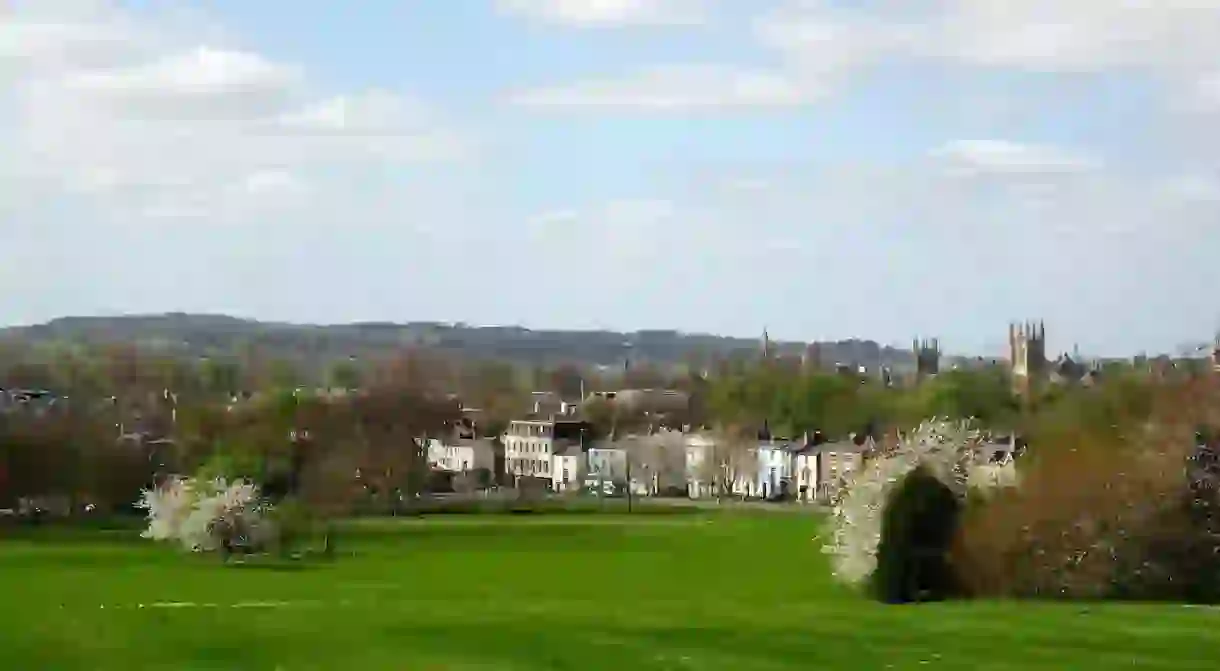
x,y
775,460
460,455
818,469
568,468
528,447
531,445
606,466
700,467
761,469
658,461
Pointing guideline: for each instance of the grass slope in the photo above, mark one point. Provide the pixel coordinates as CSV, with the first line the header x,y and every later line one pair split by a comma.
x,y
735,592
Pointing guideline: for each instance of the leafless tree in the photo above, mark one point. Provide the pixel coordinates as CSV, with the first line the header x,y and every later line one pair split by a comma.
x,y
734,459
658,460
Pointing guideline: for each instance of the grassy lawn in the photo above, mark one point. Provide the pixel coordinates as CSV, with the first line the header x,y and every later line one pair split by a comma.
x,y
730,591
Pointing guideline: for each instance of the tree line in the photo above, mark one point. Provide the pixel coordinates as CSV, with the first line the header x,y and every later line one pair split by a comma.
x,y
253,416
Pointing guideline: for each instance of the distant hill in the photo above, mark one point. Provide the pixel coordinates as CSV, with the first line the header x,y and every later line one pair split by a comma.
x,y
196,335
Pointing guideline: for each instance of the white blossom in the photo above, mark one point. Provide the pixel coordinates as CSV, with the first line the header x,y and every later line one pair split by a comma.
x,y
946,450
193,513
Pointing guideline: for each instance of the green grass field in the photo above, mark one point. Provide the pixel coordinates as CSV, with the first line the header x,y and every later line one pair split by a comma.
x,y
729,591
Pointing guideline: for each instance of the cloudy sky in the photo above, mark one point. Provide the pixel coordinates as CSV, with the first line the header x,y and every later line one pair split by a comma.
x,y
827,169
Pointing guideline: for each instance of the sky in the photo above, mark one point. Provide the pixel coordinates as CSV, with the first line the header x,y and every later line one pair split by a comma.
x,y
821,169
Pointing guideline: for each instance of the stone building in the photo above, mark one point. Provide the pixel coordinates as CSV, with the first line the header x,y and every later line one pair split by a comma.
x,y
1027,354
927,357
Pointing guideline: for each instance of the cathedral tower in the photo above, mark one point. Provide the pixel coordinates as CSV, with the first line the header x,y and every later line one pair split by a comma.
x,y
1027,354
927,357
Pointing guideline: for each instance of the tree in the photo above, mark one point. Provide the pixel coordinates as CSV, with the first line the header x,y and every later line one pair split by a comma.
x,y
345,375
566,380
918,525
220,376
491,388
645,376
734,461
658,460
393,422
282,374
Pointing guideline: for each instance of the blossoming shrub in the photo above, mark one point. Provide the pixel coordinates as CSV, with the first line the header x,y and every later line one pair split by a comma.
x,y
1119,497
207,515
939,450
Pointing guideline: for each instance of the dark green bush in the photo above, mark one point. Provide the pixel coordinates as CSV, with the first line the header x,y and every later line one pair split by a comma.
x,y
918,526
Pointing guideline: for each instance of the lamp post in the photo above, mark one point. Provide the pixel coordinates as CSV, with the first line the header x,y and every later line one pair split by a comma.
x,y
627,462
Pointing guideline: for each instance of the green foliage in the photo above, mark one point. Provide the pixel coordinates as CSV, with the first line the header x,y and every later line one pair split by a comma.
x,y
917,531
985,395
1111,411
231,462
793,403
220,376
345,375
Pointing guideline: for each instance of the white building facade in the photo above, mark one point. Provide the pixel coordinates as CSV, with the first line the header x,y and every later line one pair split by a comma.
x,y
528,449
819,470
460,455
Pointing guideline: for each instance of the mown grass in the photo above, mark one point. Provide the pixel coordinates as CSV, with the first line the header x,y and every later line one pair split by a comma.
x,y
728,591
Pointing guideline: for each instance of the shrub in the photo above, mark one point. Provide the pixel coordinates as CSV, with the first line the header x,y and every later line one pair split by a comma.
x,y
917,528
1105,509
944,451
206,516
1057,535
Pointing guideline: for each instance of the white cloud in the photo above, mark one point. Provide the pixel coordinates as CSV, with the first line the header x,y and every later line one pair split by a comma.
x,y
271,182
673,89
1011,158
202,83
1205,94
1040,231
1087,35
41,46
1194,188
1173,40
829,42
372,113
608,13
141,116
822,45
1042,35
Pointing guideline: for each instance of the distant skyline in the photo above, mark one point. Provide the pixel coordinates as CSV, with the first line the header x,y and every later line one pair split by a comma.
x,y
824,169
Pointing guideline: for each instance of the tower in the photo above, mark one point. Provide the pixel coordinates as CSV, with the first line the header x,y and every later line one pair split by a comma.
x,y
927,357
1027,354
764,345
1214,357
811,358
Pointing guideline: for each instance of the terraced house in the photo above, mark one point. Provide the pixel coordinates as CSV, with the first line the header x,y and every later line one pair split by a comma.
x,y
530,446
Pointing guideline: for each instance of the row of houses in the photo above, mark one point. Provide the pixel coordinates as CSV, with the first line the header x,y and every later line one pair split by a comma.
x,y
560,456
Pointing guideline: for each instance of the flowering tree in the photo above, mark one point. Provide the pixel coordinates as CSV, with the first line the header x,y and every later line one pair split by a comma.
x,y
205,516
944,450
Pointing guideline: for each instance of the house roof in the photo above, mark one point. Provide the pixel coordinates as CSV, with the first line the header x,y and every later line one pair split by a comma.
x,y
855,444
569,450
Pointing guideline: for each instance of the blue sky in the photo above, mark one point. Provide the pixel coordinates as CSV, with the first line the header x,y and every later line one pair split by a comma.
x,y
823,169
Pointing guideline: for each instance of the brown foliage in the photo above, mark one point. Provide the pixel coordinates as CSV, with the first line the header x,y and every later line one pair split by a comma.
x,y
1091,500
